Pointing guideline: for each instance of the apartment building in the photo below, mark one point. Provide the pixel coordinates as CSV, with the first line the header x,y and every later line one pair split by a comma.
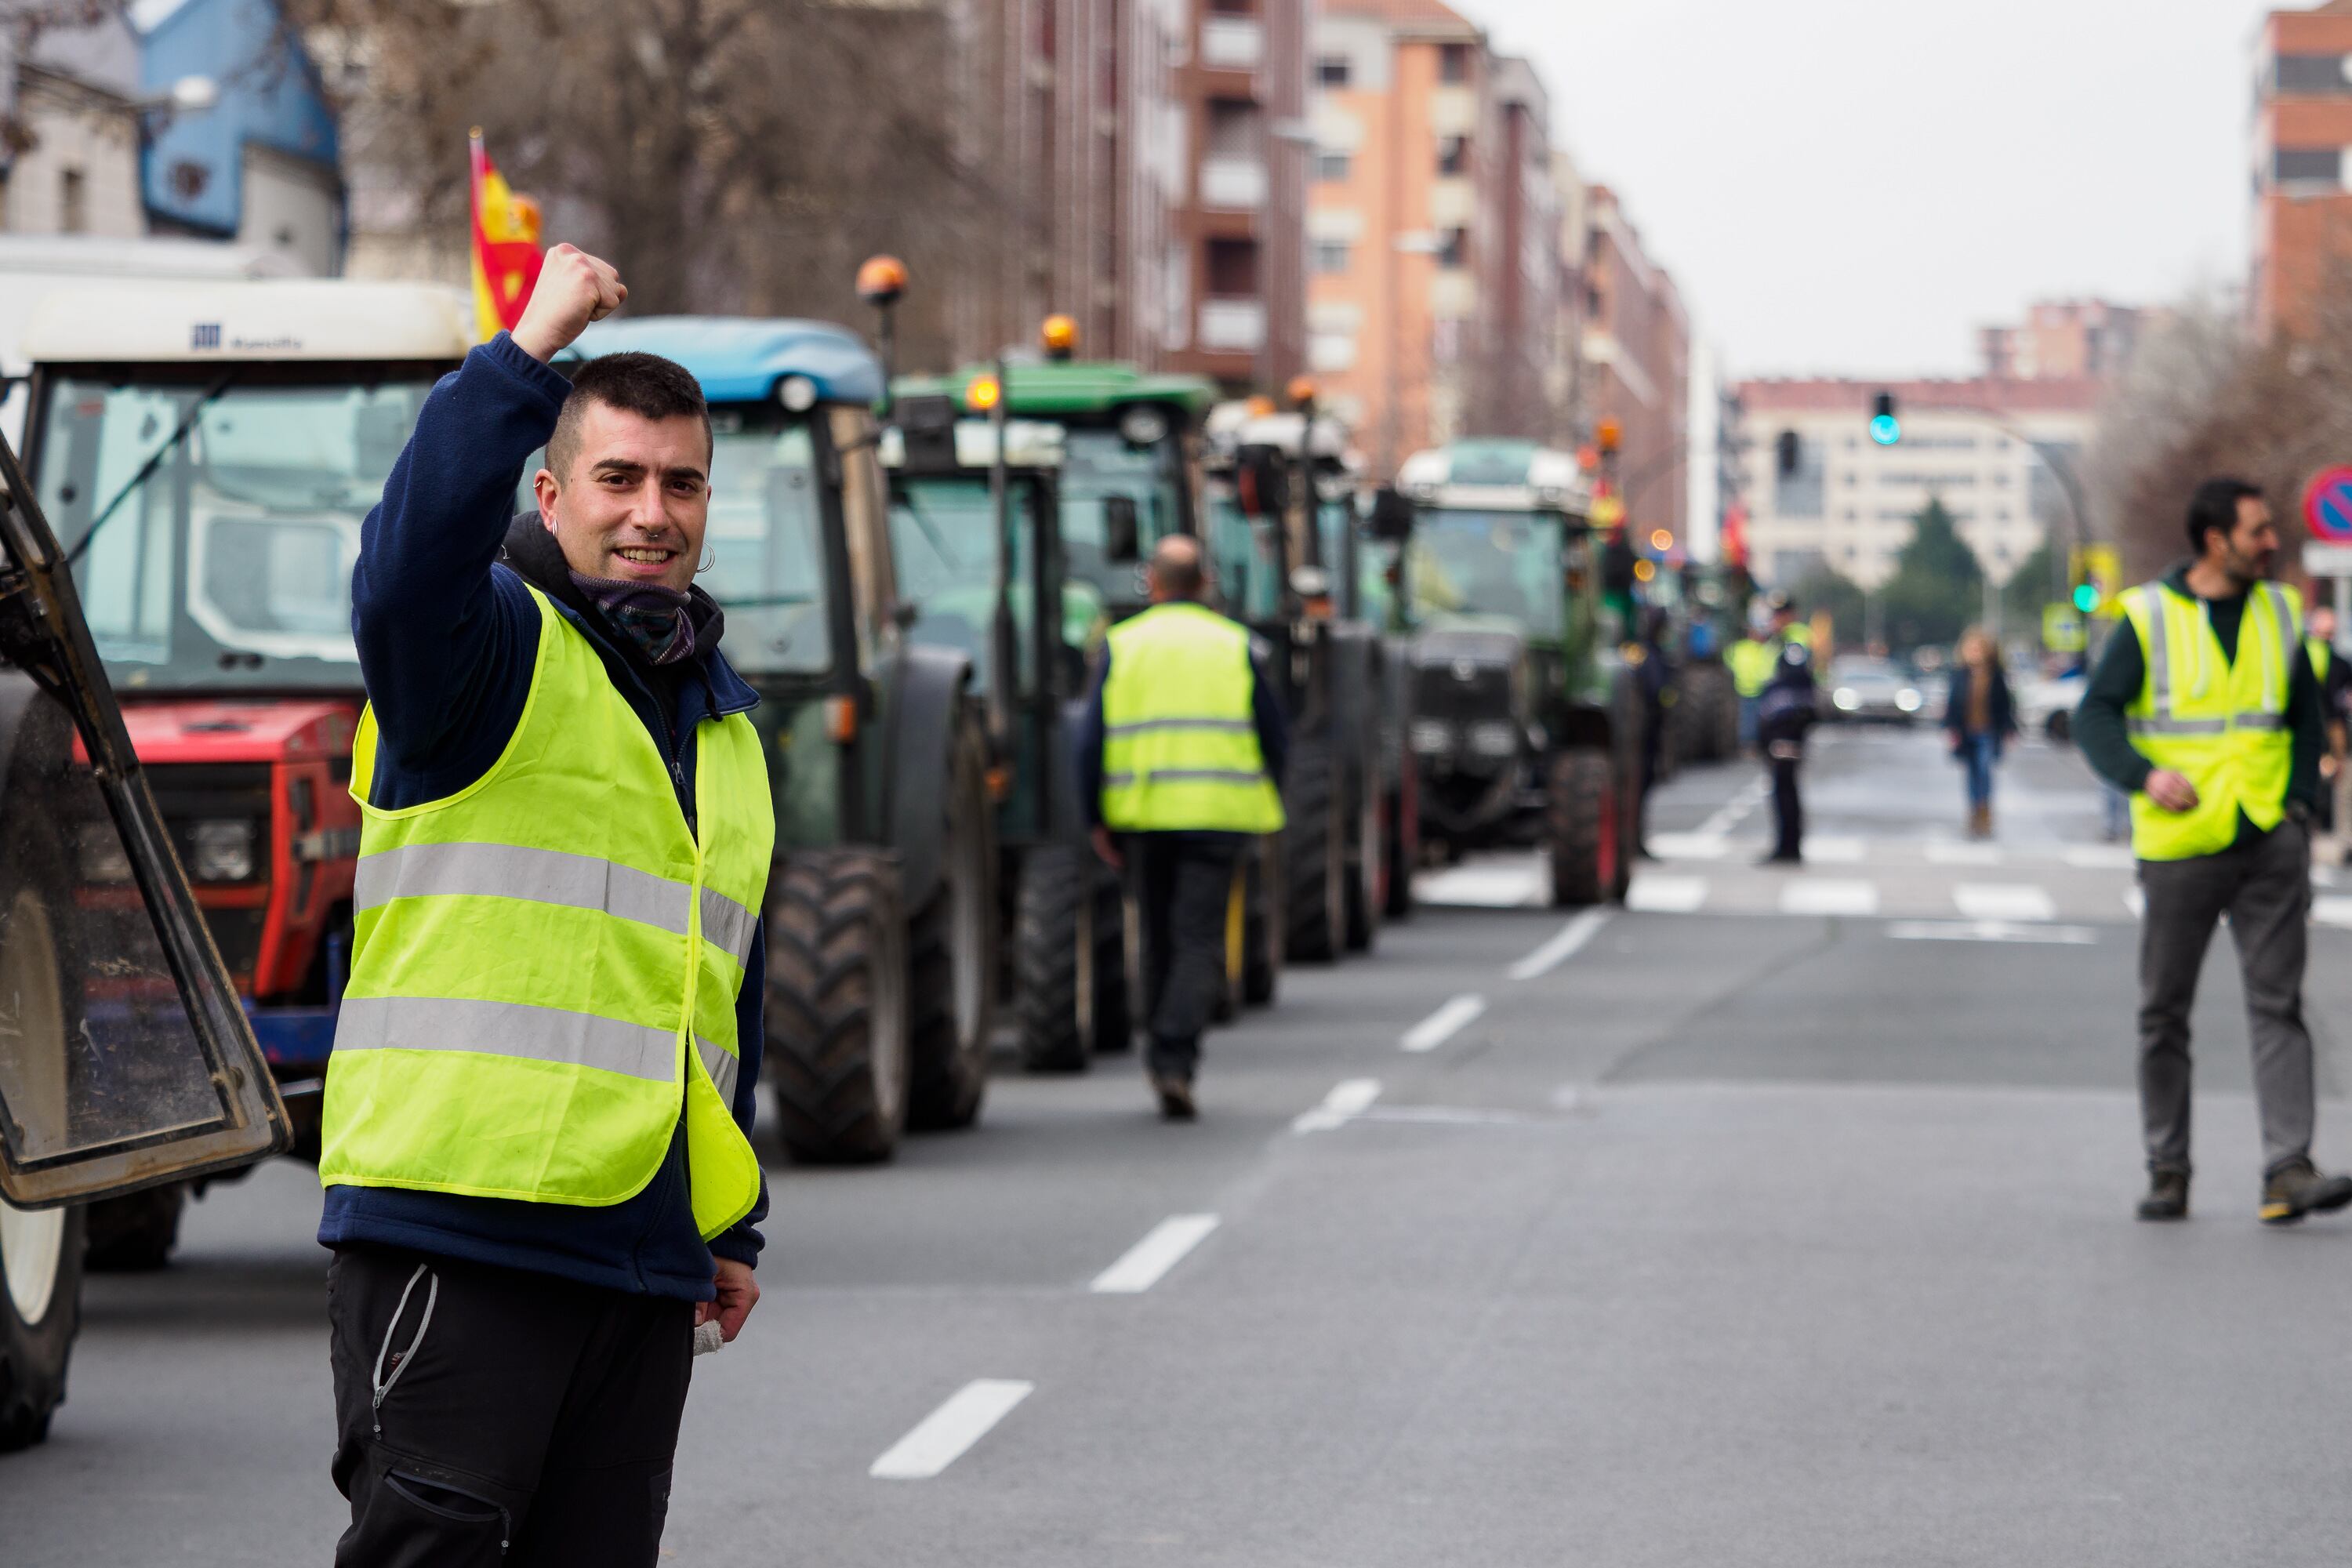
x,y
2065,341
1992,450
2302,163
1636,348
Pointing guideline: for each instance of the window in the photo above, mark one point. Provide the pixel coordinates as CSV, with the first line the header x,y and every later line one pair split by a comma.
x,y
73,202
1454,249
1333,165
1331,257
2312,75
1454,62
1332,70
1452,154
2308,165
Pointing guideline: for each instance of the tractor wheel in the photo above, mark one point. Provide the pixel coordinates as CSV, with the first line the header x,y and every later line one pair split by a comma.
x,y
1404,856
1315,853
40,1308
951,951
1367,844
1581,826
134,1234
1263,927
1069,957
838,1039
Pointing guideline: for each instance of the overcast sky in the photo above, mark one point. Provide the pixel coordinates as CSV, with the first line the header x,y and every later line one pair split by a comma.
x,y
1854,186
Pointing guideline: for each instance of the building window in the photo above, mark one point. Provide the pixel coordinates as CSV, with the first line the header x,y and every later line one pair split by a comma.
x,y
2311,75
1331,257
2308,165
1232,269
1454,62
1332,70
1452,154
1333,165
1454,248
1329,352
73,202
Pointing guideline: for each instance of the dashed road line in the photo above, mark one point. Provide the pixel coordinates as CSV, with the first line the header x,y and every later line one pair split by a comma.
x,y
1829,896
1566,944
1346,1101
2004,901
1441,1025
1954,852
1656,895
2331,910
1833,849
1162,1248
2099,857
1991,930
941,1438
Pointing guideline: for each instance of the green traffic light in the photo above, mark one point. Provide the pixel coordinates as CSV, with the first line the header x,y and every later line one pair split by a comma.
x,y
2086,597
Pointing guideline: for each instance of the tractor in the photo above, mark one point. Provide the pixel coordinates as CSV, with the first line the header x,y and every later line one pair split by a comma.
x,y
881,919
1526,721
127,1063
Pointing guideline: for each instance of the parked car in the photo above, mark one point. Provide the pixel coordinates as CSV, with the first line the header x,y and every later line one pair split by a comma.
x,y
2045,706
1860,686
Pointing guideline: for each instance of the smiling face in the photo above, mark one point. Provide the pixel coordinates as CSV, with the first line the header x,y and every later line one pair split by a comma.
x,y
635,499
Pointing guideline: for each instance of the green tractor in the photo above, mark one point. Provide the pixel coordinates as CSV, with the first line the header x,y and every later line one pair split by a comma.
x,y
882,922
1288,543
976,519
1526,723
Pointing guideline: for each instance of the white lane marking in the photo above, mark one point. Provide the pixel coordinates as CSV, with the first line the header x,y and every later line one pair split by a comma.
x,y
2323,876
1508,886
1832,849
1443,1025
2331,910
1656,895
1951,852
2136,901
1689,846
1446,1116
1990,930
1750,797
1162,1249
1566,1097
1346,1101
1828,896
1566,944
2098,857
941,1438
2004,901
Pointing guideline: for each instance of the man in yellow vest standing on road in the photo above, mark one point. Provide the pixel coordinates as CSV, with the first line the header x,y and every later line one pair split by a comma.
x,y
539,1187
1756,658
1181,757
2204,706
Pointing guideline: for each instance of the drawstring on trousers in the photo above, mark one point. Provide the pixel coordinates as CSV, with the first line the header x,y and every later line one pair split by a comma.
x,y
378,1383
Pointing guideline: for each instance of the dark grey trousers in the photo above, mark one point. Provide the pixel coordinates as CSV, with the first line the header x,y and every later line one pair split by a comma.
x,y
2264,885
1182,881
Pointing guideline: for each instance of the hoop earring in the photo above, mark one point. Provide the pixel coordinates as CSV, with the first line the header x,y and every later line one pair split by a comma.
x,y
709,559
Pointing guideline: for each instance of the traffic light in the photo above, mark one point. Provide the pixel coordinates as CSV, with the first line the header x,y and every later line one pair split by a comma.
x,y
1885,428
2086,597
1790,452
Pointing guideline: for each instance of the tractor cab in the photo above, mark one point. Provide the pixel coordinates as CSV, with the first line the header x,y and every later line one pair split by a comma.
x,y
206,453
1525,727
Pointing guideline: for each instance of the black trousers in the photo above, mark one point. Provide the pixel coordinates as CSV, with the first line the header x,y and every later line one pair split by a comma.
x,y
491,1415
1182,883
1788,807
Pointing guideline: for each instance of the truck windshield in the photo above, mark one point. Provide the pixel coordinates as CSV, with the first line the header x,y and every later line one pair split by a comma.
x,y
1501,564
228,563
765,543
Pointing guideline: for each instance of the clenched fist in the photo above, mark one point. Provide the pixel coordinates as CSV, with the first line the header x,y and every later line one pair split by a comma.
x,y
573,290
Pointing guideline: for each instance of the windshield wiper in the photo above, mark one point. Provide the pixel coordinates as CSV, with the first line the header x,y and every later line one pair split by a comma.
x,y
227,379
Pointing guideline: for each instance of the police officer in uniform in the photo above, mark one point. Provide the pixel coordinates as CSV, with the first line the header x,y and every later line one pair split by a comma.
x,y
540,1187
2205,707
1181,757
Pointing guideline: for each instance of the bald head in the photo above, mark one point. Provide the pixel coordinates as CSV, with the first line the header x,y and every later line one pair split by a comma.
x,y
1177,571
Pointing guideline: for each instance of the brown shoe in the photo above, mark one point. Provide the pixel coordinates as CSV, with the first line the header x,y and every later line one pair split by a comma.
x,y
1175,1099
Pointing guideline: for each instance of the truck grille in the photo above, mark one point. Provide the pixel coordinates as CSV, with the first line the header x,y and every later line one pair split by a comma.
x,y
192,793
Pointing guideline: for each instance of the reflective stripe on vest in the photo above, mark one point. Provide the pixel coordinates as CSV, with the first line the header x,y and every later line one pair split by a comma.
x,y
2222,724
1180,742
533,955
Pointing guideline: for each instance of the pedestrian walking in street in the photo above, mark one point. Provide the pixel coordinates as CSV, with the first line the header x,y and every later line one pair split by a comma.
x,y
1784,716
1180,753
1981,719
2205,707
541,1190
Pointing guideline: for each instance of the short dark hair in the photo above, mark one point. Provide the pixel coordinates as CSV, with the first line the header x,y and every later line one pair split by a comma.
x,y
647,385
2215,506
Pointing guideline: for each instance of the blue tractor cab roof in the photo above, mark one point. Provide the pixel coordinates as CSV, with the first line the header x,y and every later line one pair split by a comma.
x,y
742,359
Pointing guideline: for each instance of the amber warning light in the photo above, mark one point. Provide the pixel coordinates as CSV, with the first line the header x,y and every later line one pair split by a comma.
x,y
881,279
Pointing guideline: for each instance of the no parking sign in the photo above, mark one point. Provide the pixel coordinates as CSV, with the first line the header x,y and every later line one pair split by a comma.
x,y
2327,512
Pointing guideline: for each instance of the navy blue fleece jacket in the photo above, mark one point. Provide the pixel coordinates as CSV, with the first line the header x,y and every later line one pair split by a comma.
x,y
447,634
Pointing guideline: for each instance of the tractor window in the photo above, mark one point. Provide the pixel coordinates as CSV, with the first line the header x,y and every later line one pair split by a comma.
x,y
940,529
1501,564
766,544
1249,577
228,521
1096,466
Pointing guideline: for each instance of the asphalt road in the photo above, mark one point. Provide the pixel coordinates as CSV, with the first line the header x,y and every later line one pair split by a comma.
x,y
1782,1218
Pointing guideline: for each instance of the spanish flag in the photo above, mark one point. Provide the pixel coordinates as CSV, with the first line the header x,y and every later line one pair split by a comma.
x,y
506,248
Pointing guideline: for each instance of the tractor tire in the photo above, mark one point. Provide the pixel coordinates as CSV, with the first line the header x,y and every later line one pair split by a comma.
x,y
134,1234
1069,957
838,1014
1726,720
1581,827
1315,857
1403,856
40,1309
1367,845
952,956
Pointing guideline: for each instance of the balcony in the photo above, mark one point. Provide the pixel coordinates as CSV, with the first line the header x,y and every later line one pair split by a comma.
x,y
1233,326
1452,202
1231,43
1237,184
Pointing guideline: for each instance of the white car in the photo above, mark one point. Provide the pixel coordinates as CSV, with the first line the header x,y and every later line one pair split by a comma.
x,y
2045,706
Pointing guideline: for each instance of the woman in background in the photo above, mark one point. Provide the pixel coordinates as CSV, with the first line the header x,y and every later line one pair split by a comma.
x,y
1981,718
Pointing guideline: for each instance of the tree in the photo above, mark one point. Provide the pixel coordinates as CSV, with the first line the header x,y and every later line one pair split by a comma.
x,y
1937,589
1827,588
2030,587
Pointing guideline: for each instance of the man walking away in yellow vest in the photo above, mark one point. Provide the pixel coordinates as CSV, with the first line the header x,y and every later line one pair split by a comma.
x,y
1180,756
540,1185
2205,707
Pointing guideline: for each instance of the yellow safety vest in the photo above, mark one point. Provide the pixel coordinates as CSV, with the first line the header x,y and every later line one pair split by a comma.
x,y
2222,725
1179,745
1751,666
2320,654
545,964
